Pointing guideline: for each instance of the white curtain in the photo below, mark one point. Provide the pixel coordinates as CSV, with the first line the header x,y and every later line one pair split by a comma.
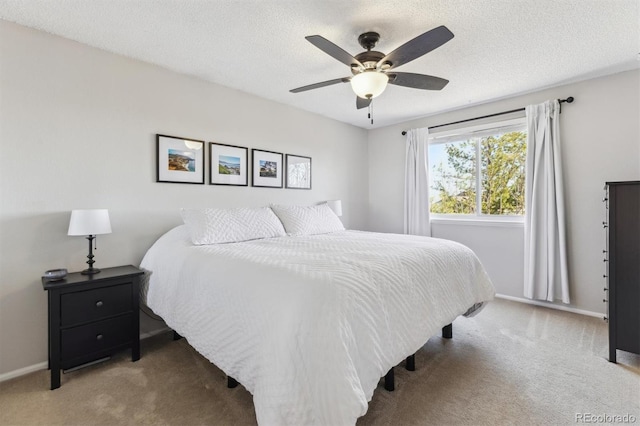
x,y
545,265
416,183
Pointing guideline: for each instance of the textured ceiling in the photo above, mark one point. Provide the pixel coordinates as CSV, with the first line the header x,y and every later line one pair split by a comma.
x,y
501,47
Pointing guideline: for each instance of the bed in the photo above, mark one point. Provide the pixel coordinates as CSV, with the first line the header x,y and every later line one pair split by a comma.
x,y
310,322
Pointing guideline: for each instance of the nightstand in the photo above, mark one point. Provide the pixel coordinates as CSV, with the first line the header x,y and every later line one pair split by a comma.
x,y
91,317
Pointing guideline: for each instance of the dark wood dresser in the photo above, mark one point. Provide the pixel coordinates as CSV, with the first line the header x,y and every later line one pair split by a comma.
x,y
92,317
623,258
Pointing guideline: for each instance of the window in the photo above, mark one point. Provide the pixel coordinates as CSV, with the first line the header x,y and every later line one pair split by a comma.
x,y
478,171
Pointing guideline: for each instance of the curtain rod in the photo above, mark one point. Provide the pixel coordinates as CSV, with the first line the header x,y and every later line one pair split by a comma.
x,y
568,100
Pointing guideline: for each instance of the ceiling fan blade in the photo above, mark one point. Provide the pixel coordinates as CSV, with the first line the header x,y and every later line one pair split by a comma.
x,y
321,84
417,81
362,103
332,50
417,47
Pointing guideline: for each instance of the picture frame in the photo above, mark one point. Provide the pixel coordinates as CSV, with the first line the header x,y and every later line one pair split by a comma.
x,y
179,160
267,169
228,165
298,169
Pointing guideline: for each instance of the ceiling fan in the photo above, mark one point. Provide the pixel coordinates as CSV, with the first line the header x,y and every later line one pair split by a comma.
x,y
372,70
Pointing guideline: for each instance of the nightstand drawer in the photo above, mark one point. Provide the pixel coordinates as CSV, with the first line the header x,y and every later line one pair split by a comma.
x,y
91,305
96,337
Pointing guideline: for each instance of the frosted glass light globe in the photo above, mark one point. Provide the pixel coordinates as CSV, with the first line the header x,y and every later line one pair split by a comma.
x,y
369,84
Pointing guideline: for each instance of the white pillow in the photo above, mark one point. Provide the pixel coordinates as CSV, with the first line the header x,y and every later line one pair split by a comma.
x,y
213,226
308,220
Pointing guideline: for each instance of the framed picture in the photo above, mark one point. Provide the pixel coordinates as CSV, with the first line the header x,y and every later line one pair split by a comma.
x,y
179,160
298,172
267,169
228,165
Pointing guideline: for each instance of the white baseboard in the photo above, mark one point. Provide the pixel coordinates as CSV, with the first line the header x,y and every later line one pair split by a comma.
x,y
154,332
551,305
22,371
44,365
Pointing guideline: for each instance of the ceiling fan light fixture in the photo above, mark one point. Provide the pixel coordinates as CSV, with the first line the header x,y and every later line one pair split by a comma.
x,y
369,84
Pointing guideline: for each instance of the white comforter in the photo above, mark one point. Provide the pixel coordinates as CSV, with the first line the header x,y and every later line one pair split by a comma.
x,y
309,324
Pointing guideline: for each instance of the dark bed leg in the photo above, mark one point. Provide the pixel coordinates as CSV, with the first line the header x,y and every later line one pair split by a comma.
x,y
231,382
447,331
176,336
410,363
389,381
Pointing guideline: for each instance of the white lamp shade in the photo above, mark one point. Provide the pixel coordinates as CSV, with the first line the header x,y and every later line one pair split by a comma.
x,y
369,84
89,222
336,206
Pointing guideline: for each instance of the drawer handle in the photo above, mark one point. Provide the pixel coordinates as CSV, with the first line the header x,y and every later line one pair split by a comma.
x,y
99,337
99,303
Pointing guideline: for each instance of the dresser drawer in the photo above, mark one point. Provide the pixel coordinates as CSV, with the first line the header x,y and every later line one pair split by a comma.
x,y
96,337
91,305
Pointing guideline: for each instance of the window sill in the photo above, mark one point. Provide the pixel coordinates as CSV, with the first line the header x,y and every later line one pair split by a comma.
x,y
516,222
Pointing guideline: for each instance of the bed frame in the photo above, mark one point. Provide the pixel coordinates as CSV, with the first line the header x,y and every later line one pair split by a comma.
x,y
410,362
389,378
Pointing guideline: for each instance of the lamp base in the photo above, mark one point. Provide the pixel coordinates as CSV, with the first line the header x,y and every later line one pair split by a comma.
x,y
90,271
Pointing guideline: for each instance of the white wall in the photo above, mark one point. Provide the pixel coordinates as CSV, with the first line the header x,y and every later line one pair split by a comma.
x,y
600,135
499,246
77,130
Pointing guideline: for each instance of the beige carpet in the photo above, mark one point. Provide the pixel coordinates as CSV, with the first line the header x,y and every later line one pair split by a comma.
x,y
512,364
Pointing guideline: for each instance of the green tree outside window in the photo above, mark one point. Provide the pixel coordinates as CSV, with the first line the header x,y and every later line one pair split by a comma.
x,y
455,182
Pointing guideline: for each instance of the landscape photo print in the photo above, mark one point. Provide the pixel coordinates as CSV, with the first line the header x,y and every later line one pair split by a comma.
x,y
228,165
267,169
179,160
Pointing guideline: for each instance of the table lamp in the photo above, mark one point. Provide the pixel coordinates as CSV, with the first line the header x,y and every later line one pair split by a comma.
x,y
91,223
